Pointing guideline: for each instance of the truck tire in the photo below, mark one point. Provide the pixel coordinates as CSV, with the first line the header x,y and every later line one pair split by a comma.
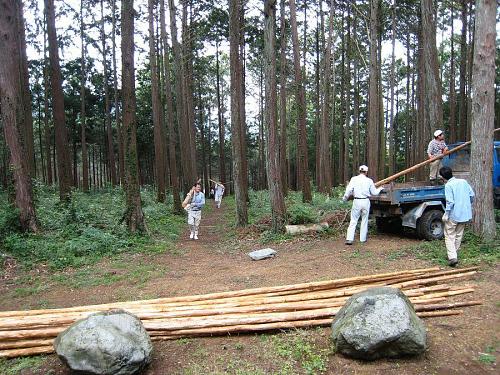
x,y
430,226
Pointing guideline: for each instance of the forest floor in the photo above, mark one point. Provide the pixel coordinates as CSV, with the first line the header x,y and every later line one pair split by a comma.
x,y
467,343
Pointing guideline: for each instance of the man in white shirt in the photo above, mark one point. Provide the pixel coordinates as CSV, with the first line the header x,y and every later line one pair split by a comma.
x,y
361,188
219,192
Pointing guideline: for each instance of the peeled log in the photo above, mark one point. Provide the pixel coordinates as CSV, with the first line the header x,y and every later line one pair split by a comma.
x,y
308,228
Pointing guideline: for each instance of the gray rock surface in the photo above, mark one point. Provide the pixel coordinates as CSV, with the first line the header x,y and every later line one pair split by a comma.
x,y
377,323
262,254
113,342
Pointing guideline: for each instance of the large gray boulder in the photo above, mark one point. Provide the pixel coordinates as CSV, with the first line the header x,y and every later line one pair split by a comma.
x,y
376,323
106,343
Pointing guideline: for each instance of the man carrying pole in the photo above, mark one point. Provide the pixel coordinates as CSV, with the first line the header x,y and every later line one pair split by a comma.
x,y
193,204
361,188
435,148
459,197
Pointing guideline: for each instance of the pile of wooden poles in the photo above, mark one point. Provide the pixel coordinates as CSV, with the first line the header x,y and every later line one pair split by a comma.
x,y
250,310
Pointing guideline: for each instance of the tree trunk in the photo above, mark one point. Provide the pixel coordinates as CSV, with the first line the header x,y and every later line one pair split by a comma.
x,y
47,132
483,118
432,104
85,165
172,137
392,146
284,163
325,169
116,98
462,109
133,216
452,96
220,119
240,177
61,132
278,210
301,108
29,141
373,146
184,138
156,107
107,104
14,110
347,124
262,159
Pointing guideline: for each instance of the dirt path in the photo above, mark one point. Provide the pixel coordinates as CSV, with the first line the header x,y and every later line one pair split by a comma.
x,y
218,262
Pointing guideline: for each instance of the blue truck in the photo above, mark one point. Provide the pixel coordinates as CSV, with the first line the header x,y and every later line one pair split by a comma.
x,y
419,206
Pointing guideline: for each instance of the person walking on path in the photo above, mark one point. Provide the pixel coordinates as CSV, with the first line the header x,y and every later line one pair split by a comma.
x,y
193,203
219,192
435,148
459,197
360,188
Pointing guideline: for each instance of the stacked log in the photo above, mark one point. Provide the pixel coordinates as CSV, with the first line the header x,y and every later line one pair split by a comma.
x,y
250,310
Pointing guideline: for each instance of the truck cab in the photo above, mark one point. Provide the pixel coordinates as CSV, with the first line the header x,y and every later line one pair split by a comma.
x,y
420,206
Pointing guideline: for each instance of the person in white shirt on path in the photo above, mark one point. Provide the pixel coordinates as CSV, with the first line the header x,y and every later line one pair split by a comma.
x,y
219,192
361,188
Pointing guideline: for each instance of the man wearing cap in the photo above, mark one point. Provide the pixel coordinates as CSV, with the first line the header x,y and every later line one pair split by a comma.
x,y
436,147
361,188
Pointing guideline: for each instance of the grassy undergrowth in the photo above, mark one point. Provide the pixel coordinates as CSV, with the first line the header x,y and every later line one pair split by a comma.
x,y
85,230
298,212
473,251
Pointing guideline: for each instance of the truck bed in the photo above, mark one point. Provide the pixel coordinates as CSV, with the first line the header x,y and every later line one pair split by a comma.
x,y
409,192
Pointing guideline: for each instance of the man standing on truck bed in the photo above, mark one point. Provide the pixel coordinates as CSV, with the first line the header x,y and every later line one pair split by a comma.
x,y
361,188
436,147
459,197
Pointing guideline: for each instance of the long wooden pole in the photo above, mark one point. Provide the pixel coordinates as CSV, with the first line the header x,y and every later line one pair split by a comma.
x,y
424,163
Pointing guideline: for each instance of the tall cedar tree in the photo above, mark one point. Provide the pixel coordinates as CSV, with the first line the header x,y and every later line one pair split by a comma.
x,y
85,155
133,216
433,104
483,118
239,177
172,137
107,105
186,153
158,132
325,180
372,139
301,108
61,133
283,76
13,109
278,210
116,98
220,119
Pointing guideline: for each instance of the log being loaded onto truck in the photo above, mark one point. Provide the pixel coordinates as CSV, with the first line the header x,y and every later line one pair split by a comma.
x,y
419,205
311,304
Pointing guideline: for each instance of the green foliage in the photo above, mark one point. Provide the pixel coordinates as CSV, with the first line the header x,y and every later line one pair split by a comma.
x,y
9,217
89,228
299,348
297,211
472,251
16,366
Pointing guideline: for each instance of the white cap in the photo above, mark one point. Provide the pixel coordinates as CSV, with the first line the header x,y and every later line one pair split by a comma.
x,y
363,168
437,133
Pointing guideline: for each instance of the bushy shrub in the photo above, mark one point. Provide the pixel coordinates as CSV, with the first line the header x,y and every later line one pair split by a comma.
x,y
302,213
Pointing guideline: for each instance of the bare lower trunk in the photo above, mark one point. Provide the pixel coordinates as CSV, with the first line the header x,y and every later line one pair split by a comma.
x,y
373,145
236,116
220,119
133,216
301,107
172,138
85,164
284,162
61,132
483,118
278,210
12,63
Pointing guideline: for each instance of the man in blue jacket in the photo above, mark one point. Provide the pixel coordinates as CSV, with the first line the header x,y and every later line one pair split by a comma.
x,y
459,197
